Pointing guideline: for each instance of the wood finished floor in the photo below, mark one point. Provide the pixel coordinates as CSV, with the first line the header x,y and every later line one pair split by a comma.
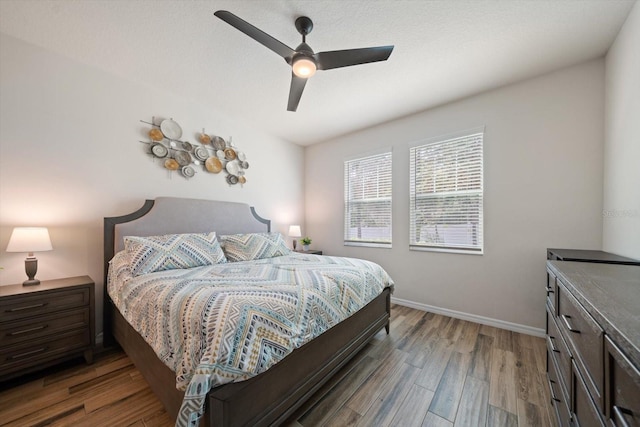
x,y
431,370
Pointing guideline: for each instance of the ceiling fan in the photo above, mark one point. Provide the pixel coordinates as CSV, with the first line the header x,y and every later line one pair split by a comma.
x,y
304,62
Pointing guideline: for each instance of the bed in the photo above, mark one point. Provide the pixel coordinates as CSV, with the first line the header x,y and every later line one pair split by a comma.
x,y
270,397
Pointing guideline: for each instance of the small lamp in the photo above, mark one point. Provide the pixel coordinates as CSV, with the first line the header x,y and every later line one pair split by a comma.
x,y
294,231
30,240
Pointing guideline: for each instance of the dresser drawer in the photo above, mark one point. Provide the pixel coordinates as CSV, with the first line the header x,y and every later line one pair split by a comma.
x,y
552,293
558,397
585,338
39,326
585,412
22,306
53,347
622,385
559,351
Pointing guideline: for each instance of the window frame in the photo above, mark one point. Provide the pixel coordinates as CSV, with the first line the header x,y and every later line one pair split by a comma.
x,y
348,239
453,139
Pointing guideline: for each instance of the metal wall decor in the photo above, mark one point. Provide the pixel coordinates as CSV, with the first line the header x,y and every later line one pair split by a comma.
x,y
212,155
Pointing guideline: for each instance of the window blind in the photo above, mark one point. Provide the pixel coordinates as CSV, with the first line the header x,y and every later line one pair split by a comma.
x,y
367,201
446,194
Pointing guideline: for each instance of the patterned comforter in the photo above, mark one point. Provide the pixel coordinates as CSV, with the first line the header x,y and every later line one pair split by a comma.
x,y
225,323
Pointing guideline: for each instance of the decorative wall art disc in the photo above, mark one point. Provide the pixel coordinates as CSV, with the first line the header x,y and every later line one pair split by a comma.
x,y
156,134
201,153
218,143
213,165
171,164
159,150
188,171
171,129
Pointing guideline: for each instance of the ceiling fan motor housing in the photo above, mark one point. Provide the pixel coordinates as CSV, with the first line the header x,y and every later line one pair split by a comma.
x,y
303,49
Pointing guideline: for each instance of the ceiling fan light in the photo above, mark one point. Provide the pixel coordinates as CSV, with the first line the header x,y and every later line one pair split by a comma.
x,y
304,67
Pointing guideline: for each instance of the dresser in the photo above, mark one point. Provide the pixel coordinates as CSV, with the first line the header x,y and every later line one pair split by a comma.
x,y
593,343
45,324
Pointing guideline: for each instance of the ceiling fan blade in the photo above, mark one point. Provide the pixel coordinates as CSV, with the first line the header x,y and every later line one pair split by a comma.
x,y
255,33
297,86
346,58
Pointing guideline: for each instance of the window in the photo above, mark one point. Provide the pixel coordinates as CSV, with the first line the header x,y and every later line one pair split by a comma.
x,y
367,201
446,193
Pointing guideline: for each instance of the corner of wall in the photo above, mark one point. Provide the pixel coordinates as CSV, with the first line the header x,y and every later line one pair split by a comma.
x,y
621,189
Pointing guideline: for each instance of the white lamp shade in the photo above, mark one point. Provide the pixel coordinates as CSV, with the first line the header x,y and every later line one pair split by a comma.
x,y
294,231
29,239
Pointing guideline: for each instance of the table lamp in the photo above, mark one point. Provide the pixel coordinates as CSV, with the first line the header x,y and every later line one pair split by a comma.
x,y
294,231
30,240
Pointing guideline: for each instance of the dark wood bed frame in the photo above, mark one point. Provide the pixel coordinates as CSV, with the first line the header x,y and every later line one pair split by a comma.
x,y
268,398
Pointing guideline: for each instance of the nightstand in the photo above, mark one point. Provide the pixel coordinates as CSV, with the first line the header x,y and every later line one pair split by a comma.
x,y
45,324
310,252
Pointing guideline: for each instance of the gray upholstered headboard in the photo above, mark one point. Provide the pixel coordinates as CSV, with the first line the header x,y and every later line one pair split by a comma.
x,y
171,215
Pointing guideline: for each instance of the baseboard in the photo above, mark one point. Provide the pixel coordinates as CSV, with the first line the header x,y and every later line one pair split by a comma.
x,y
515,327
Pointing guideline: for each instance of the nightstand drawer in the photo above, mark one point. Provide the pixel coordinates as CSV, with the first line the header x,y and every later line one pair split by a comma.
x,y
54,347
22,330
36,304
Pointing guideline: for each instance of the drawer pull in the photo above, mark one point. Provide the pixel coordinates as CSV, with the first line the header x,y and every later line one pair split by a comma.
x,y
553,347
28,353
549,290
566,318
26,307
620,420
25,331
553,392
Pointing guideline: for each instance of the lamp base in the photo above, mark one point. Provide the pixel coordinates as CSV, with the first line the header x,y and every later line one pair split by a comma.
x,y
295,243
31,267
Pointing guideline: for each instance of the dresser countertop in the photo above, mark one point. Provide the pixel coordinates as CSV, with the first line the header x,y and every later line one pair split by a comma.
x,y
611,294
45,285
589,256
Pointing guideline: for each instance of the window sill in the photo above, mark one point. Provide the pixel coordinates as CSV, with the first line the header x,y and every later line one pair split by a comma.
x,y
369,244
451,251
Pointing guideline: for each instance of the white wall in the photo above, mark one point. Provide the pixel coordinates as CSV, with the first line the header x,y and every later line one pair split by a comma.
x,y
543,188
70,156
621,228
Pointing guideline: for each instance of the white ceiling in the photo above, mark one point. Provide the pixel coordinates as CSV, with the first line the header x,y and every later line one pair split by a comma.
x,y
444,50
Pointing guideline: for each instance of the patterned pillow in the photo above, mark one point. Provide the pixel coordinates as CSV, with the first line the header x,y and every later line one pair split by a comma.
x,y
172,251
247,247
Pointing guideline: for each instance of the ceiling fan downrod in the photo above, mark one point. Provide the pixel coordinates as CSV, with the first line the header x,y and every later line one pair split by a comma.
x,y
304,25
